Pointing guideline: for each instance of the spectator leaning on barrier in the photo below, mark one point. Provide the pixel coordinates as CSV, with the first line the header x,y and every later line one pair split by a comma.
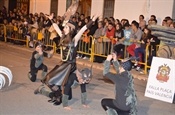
x,y
144,41
127,34
110,33
125,97
136,35
98,43
119,37
98,38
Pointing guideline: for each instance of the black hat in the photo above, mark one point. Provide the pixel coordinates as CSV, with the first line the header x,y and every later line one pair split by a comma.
x,y
127,65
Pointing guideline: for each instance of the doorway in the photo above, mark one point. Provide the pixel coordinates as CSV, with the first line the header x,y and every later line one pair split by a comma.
x,y
54,7
12,5
19,4
85,7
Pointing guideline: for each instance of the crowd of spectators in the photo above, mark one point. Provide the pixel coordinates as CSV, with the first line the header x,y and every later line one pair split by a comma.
x,y
120,35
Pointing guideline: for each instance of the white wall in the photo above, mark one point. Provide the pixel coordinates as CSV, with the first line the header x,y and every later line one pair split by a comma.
x,y
162,8
40,6
97,7
61,7
32,6
131,9
44,6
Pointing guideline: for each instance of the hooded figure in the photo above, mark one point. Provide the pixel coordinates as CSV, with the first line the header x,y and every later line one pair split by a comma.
x,y
63,75
125,97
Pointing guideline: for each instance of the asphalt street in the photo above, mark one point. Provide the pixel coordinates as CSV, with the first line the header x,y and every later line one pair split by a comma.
x,y
19,99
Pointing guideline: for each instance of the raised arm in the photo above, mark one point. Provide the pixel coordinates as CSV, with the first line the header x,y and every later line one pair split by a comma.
x,y
115,63
79,34
55,26
106,73
82,30
107,64
57,29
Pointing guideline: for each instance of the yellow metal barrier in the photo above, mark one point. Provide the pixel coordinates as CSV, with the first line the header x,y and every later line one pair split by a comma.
x,y
91,48
104,45
46,39
84,47
14,34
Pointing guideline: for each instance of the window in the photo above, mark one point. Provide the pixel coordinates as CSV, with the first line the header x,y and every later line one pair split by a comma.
x,y
108,8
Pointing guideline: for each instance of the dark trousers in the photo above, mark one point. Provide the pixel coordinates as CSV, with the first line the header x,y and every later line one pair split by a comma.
x,y
67,88
34,71
138,51
109,103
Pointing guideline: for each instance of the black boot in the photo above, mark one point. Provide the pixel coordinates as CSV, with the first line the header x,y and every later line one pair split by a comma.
x,y
52,97
58,101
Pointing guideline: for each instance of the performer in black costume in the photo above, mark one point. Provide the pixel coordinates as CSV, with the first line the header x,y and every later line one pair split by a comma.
x,y
125,96
65,74
36,62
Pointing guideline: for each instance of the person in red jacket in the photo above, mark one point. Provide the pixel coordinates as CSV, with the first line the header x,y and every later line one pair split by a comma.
x,y
109,40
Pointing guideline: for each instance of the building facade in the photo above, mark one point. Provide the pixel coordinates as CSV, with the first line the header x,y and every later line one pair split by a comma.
x,y
119,9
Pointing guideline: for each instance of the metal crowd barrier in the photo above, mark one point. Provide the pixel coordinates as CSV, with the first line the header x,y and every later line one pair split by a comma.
x,y
103,48
84,46
14,34
47,39
11,33
91,48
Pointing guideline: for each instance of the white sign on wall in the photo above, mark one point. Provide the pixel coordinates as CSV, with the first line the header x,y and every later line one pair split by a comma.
x,y
161,81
